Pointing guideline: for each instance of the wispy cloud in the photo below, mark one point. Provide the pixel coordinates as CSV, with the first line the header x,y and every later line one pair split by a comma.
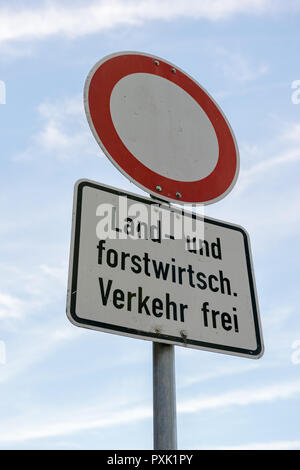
x,y
241,397
252,89
269,158
26,292
278,317
266,198
11,51
217,373
284,158
10,306
275,445
64,132
95,16
100,415
73,421
236,66
291,133
39,344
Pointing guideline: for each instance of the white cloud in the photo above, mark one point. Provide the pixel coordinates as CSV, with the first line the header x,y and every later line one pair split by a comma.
x,y
278,316
95,16
100,415
269,159
291,133
58,273
11,51
235,66
10,306
241,397
217,373
266,198
268,164
64,133
73,421
24,298
247,90
40,343
26,292
276,445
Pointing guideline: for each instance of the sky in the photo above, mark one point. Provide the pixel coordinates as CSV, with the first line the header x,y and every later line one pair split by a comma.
x,y
64,387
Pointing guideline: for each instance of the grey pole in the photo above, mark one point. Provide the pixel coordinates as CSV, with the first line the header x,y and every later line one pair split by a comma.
x,y
164,397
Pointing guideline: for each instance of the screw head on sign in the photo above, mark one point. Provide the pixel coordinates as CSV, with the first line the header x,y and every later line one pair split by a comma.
x,y
178,195
156,62
173,70
158,188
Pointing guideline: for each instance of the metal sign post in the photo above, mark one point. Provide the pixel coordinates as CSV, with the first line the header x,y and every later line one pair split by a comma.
x,y
164,394
164,397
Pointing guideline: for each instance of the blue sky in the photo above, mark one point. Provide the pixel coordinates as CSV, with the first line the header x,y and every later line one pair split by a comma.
x,y
64,387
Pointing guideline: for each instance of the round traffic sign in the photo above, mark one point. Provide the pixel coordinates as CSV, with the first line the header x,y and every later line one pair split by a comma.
x,y
160,128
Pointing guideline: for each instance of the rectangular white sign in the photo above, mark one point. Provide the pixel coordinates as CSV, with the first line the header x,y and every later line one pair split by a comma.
x,y
143,269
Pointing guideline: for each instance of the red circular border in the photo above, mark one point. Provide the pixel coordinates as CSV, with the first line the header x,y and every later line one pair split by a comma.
x,y
100,88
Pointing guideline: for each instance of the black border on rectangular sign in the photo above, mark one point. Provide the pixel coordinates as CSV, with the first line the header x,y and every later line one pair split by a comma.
x,y
74,256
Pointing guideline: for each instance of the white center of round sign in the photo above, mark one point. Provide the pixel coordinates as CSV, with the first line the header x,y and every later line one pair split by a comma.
x,y
155,117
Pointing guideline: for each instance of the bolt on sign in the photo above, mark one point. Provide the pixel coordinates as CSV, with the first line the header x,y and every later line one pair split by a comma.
x,y
141,268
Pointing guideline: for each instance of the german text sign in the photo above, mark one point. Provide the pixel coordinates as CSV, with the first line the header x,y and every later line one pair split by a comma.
x,y
143,269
